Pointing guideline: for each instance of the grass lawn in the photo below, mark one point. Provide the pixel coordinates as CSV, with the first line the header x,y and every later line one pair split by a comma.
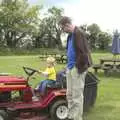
x,y
107,105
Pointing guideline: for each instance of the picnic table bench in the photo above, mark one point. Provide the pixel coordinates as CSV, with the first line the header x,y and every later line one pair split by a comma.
x,y
43,56
114,61
60,58
108,65
96,67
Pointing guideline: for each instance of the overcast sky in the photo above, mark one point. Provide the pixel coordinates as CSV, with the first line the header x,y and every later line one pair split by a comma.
x,y
105,13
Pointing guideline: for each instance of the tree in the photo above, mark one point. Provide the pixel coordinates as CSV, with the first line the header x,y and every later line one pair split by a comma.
x,y
49,32
93,30
104,40
17,20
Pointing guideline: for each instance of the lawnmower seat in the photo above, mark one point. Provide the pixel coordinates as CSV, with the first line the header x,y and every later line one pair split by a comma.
x,y
60,81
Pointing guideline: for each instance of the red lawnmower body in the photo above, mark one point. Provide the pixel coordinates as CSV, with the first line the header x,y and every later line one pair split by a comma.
x,y
12,83
16,106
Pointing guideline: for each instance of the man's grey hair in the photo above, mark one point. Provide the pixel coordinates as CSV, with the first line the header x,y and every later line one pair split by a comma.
x,y
64,20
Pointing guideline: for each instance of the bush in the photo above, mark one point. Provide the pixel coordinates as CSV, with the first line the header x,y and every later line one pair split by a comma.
x,y
7,51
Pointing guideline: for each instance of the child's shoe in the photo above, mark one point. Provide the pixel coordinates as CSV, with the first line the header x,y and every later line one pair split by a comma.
x,y
35,98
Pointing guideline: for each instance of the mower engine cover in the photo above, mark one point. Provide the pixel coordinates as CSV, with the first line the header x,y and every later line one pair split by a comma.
x,y
8,83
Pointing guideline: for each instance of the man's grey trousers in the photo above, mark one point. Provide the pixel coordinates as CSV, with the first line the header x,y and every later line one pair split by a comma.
x,y
75,89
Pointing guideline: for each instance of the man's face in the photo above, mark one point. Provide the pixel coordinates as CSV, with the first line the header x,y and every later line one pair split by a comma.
x,y
66,28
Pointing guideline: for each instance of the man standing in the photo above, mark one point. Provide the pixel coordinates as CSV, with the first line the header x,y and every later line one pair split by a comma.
x,y
78,62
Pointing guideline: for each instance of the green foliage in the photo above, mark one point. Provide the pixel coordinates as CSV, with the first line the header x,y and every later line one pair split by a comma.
x,y
17,20
22,26
49,35
93,32
103,40
97,38
93,28
37,51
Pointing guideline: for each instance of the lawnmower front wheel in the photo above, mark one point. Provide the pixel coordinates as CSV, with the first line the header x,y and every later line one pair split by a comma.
x,y
59,110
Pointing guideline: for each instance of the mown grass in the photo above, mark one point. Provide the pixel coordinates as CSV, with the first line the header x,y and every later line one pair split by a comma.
x,y
14,65
107,106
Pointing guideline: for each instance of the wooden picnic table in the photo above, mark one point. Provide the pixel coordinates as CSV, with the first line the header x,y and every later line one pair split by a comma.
x,y
60,58
109,65
104,60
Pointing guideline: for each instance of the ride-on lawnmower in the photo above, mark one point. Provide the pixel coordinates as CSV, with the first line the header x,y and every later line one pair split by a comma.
x,y
16,94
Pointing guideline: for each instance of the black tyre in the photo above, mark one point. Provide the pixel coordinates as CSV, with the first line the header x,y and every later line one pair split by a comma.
x,y
3,115
59,110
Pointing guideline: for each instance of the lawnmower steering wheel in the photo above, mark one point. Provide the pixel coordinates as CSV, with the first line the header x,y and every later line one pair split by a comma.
x,y
29,71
